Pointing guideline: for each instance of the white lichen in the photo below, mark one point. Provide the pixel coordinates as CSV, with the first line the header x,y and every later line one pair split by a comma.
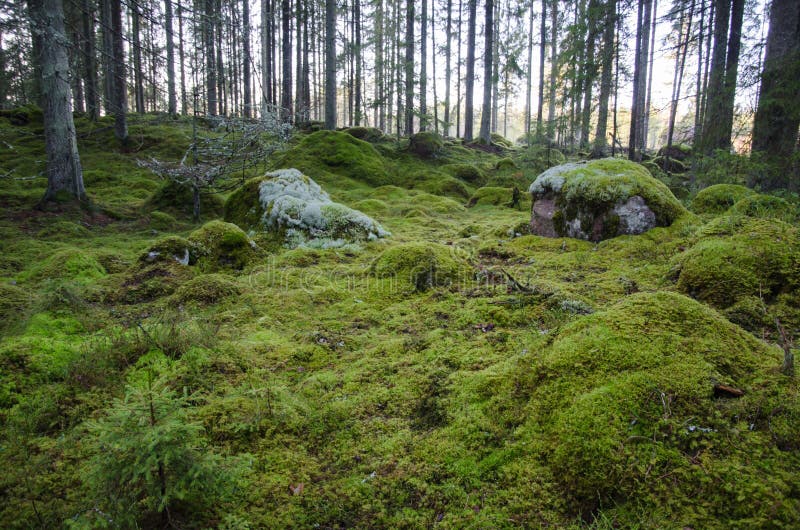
x,y
552,180
298,206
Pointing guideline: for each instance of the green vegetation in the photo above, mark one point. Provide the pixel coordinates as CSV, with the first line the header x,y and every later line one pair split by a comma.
x,y
426,144
159,372
719,197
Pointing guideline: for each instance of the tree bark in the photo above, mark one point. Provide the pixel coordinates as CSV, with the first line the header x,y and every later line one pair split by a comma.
x,y
119,92
211,64
488,55
330,64
423,68
713,126
409,64
470,75
64,173
447,71
551,111
90,61
600,142
172,99
136,48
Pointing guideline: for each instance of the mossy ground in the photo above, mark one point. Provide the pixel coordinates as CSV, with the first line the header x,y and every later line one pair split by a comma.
x,y
579,392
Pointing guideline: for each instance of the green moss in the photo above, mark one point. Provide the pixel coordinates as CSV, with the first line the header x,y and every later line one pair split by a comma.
x,y
436,204
467,172
69,264
492,195
500,140
63,230
765,207
505,164
178,199
422,265
222,246
426,144
747,257
162,221
368,134
538,158
338,153
441,184
242,206
719,197
207,289
14,305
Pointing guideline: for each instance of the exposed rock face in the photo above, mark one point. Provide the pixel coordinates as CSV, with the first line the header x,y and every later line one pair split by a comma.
x,y
600,199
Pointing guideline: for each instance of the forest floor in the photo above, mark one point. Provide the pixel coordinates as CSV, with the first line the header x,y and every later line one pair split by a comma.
x,y
559,383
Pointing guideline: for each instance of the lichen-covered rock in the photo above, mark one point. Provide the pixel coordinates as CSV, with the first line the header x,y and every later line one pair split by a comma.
x,y
207,289
298,211
740,257
337,153
222,245
600,199
426,144
421,265
719,197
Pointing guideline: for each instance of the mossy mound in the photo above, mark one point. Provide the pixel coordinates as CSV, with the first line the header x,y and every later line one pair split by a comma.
x,y
14,304
492,195
295,210
623,394
63,229
670,165
436,203
178,200
161,220
338,153
719,197
368,134
501,141
25,115
466,172
738,258
159,271
372,206
70,264
505,164
173,249
765,207
421,265
600,199
425,144
680,152
222,246
439,183
207,289
539,158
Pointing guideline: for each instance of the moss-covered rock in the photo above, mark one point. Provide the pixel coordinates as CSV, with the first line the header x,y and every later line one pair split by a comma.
x,y
670,165
426,144
501,141
338,153
207,289
161,221
505,164
14,304
439,183
222,245
719,197
680,152
467,172
177,199
368,134
600,199
297,211
159,271
70,264
623,393
421,265
493,195
740,257
765,207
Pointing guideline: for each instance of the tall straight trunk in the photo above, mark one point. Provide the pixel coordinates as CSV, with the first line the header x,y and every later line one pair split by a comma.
x,y
64,173
433,56
409,64
684,34
614,124
423,68
298,62
330,64
529,77
136,48
495,71
119,93
246,60
633,140
265,53
172,104
380,87
107,55
286,60
90,61
359,60
609,21
542,42
642,101
488,55
731,72
590,73
651,62
777,118
211,63
699,78
713,126
458,73
447,70
306,70
222,92
470,75
551,110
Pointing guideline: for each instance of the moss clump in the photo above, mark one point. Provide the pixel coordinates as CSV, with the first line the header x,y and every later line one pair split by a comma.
x,y
622,394
159,271
338,153
422,265
765,207
500,141
680,152
719,197
69,264
441,184
207,289
436,204
14,305
25,115
597,186
467,172
539,158
222,245
178,199
63,229
368,134
172,249
162,220
671,165
372,206
505,164
739,258
426,144
492,195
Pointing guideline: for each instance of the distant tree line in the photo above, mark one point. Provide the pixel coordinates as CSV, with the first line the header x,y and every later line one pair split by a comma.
x,y
368,62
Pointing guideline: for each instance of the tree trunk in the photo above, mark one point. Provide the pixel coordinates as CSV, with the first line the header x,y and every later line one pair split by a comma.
x,y
542,42
172,99
529,78
90,62
211,64
713,126
447,70
590,73
119,93
64,174
330,64
775,129
600,143
409,64
649,81
458,73
423,68
731,71
551,111
136,49
246,59
470,76
359,59
488,53
684,34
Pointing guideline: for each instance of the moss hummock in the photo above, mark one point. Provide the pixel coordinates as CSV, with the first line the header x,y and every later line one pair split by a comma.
x,y
207,289
495,196
467,172
14,304
338,153
719,197
765,207
70,264
178,199
426,144
222,245
421,265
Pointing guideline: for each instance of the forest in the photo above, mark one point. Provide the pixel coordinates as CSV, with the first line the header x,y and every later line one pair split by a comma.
x,y
399,264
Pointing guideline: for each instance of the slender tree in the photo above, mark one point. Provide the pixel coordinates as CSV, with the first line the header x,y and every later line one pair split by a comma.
x,y
488,55
330,64
472,6
447,70
423,67
409,64
608,52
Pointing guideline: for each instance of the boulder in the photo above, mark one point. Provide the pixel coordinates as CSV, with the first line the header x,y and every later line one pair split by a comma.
x,y
294,209
426,144
600,199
